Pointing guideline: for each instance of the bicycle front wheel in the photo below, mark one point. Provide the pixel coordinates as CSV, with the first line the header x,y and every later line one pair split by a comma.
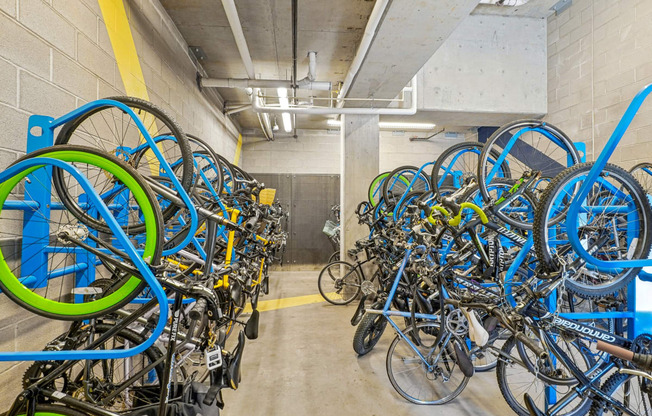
x,y
527,147
49,255
438,379
629,391
339,283
115,132
614,222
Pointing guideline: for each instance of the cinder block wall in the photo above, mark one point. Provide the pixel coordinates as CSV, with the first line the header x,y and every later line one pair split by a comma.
x,y
56,55
599,57
318,151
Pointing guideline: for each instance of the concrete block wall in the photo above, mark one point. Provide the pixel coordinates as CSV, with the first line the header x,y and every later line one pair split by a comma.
x,y
56,55
599,57
318,151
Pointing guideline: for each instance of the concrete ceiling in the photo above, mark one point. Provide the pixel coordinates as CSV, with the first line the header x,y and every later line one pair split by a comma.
x,y
332,28
409,34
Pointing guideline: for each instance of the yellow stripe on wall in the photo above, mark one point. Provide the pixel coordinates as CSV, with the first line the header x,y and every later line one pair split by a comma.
x,y
124,48
238,149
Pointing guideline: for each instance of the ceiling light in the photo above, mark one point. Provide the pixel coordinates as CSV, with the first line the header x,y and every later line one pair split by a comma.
x,y
283,101
333,123
390,125
406,126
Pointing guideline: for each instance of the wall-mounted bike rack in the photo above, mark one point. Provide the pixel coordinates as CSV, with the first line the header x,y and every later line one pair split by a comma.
x,y
40,135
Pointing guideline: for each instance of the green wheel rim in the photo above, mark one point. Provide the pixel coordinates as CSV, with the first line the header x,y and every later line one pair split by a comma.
x,y
374,185
13,284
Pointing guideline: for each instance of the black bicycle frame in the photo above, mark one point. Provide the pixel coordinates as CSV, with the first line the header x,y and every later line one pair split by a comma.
x,y
584,382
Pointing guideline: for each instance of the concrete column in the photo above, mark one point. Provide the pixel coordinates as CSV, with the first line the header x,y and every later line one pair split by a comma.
x,y
360,163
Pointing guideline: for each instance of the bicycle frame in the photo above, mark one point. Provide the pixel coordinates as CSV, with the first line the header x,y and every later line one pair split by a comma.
x,y
587,380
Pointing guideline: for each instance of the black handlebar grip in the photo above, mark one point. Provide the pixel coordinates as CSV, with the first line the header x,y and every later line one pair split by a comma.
x,y
197,311
251,223
451,205
529,342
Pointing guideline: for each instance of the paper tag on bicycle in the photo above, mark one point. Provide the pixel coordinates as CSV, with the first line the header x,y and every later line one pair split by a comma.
x,y
86,290
214,358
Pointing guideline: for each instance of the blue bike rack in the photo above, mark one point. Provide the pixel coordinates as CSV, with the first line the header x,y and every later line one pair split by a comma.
x,y
639,311
122,238
40,135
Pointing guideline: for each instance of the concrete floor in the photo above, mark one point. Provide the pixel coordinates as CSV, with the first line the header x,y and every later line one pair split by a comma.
x,y
303,364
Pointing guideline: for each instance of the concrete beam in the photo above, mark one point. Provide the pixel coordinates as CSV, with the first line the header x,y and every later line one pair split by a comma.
x,y
489,64
411,31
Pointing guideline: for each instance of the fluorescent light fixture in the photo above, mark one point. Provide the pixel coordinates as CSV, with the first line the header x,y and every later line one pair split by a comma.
x,y
390,125
333,123
283,101
406,126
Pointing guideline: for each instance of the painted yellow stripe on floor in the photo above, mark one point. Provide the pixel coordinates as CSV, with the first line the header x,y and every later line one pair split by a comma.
x,y
274,304
238,149
124,48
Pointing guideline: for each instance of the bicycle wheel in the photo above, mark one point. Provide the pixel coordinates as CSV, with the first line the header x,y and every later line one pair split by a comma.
x,y
375,191
55,410
114,193
113,131
334,257
515,379
527,146
403,180
458,164
209,174
410,375
339,283
615,223
115,384
48,255
643,174
629,391
368,333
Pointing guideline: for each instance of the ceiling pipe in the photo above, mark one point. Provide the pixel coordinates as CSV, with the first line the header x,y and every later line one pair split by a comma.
x,y
240,41
237,109
312,71
262,83
295,18
369,32
261,108
295,28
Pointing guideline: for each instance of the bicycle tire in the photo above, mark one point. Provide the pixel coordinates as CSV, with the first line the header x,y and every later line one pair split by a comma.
x,y
93,129
55,410
208,162
399,182
375,191
635,396
525,157
469,166
641,173
588,281
107,189
416,373
106,383
515,401
334,257
368,333
339,290
57,305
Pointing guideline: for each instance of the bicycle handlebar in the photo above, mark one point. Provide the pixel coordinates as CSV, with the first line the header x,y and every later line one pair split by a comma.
x,y
643,361
455,221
